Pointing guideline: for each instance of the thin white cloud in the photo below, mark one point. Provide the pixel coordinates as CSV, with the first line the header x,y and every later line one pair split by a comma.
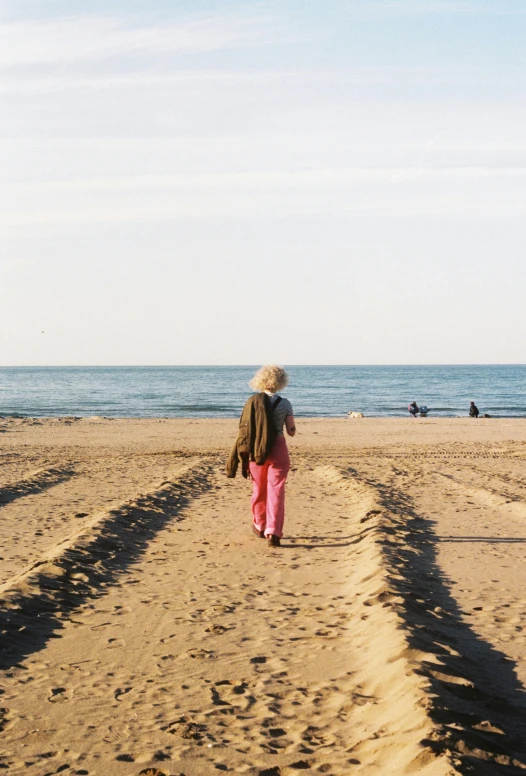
x,y
80,38
28,83
258,179
439,7
50,84
267,159
464,191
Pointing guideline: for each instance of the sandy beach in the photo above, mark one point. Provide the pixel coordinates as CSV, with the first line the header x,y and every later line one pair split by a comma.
x,y
146,630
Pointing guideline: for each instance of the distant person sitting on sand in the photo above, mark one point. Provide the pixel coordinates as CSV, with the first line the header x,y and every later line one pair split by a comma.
x,y
413,409
473,410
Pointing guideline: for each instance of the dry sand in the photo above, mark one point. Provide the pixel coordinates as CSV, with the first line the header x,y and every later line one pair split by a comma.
x,y
144,629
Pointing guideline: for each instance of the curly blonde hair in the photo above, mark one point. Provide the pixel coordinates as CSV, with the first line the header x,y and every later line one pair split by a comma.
x,y
269,378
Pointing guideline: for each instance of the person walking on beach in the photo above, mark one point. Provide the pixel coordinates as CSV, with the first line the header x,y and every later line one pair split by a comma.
x,y
268,478
473,410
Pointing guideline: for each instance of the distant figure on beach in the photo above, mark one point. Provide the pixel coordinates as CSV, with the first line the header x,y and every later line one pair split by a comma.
x,y
413,409
266,414
473,410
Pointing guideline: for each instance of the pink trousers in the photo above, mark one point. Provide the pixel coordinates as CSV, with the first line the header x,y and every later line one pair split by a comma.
x,y
268,494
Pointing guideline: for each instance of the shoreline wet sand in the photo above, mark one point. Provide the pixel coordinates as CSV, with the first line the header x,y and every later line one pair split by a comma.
x,y
144,628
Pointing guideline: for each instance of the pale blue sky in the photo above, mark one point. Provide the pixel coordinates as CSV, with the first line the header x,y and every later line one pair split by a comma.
x,y
237,182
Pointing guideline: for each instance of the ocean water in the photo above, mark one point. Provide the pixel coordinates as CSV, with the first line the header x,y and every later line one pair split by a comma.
x,y
220,391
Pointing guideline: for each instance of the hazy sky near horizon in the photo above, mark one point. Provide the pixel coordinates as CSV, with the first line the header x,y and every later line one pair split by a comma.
x,y
290,181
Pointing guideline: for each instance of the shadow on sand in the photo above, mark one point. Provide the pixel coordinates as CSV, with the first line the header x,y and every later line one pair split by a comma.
x,y
482,539
474,696
322,542
82,572
36,484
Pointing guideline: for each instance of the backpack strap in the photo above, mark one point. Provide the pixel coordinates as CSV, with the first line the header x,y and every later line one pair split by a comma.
x,y
273,406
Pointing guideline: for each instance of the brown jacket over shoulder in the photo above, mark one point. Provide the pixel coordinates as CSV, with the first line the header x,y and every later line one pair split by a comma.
x,y
256,435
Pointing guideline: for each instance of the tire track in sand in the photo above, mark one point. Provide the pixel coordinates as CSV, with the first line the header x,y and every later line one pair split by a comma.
x,y
36,601
41,518
474,698
215,652
35,482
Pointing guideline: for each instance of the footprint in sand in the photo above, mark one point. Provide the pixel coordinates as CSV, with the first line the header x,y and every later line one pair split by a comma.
x,y
202,654
217,629
152,772
58,695
187,729
120,691
4,718
155,772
